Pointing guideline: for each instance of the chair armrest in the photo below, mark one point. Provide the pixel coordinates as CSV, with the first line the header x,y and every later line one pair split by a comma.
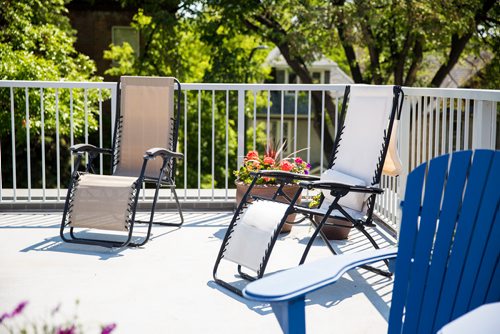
x,y
334,185
292,283
82,148
163,152
284,175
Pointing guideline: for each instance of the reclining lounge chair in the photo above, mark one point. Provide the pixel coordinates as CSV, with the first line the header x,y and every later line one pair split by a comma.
x,y
145,140
447,262
348,187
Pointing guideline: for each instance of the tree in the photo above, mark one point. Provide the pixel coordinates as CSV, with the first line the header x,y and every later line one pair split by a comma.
x,y
383,41
189,46
36,43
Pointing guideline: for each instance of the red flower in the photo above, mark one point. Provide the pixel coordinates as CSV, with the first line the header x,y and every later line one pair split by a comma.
x,y
252,155
268,161
286,166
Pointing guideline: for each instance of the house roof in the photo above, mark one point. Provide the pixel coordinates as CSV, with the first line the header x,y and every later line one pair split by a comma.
x,y
275,59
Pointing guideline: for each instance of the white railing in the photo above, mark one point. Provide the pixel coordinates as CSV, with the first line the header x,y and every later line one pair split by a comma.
x,y
219,122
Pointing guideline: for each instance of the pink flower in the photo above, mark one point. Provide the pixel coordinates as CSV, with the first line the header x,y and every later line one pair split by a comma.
x,y
108,329
252,155
298,160
286,166
268,161
69,330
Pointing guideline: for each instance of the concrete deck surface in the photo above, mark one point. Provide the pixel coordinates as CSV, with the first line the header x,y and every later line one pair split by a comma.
x,y
167,286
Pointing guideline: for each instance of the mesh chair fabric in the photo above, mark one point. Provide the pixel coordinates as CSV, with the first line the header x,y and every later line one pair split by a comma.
x,y
253,232
102,202
147,109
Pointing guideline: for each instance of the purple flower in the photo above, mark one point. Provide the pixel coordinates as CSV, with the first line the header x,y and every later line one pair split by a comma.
x,y
306,171
108,328
18,310
308,165
69,330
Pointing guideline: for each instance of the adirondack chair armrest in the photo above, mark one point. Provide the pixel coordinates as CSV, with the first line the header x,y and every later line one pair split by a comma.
x,y
284,175
298,281
163,152
340,186
88,148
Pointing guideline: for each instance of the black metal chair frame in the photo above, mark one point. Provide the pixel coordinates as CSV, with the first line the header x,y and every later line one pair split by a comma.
x,y
310,182
166,178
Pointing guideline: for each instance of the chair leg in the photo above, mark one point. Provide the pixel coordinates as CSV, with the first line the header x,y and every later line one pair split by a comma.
x,y
291,315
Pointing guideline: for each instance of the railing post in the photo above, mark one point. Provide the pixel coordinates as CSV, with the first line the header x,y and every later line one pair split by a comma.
x,y
484,124
404,153
241,126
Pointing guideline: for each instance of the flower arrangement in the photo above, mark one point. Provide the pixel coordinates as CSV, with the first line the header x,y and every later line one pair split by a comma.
x,y
253,162
54,326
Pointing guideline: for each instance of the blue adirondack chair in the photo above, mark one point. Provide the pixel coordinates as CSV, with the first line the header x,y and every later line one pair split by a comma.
x,y
447,262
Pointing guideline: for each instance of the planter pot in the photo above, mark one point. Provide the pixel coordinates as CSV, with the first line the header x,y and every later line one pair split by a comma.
x,y
267,191
335,232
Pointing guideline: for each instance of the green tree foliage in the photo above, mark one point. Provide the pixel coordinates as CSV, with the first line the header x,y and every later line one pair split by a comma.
x,y
36,43
188,45
383,41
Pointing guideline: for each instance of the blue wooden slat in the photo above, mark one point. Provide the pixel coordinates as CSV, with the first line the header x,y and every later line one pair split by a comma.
x,y
429,214
489,264
480,239
452,201
494,289
472,198
411,211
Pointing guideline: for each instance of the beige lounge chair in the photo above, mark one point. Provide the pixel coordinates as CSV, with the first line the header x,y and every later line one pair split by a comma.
x,y
144,147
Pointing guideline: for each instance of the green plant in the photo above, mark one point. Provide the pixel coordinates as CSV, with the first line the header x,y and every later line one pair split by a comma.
x,y
315,201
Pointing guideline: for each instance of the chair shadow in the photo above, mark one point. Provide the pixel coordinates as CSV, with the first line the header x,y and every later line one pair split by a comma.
x,y
56,244
326,297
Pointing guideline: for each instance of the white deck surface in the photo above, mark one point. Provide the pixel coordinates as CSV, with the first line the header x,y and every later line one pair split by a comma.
x,y
167,286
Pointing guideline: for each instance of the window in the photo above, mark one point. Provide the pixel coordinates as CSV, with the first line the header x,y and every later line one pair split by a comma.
x,y
121,34
316,76
275,134
280,76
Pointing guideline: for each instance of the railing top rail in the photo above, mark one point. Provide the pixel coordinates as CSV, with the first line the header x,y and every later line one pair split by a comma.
x,y
476,94
259,87
465,93
56,84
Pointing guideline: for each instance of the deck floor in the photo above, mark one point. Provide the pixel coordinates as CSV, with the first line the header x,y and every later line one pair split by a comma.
x,y
167,286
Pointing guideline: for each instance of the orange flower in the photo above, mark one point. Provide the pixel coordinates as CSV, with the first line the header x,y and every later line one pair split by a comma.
x,y
252,155
286,166
256,164
268,161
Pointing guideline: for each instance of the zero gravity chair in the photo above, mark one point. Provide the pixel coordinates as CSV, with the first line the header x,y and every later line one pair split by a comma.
x,y
145,140
348,187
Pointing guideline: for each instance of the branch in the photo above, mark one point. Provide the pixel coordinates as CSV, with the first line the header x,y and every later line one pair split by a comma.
x,y
418,56
371,43
458,44
350,53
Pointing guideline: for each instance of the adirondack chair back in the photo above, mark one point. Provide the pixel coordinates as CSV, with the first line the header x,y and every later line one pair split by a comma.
x,y
448,258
